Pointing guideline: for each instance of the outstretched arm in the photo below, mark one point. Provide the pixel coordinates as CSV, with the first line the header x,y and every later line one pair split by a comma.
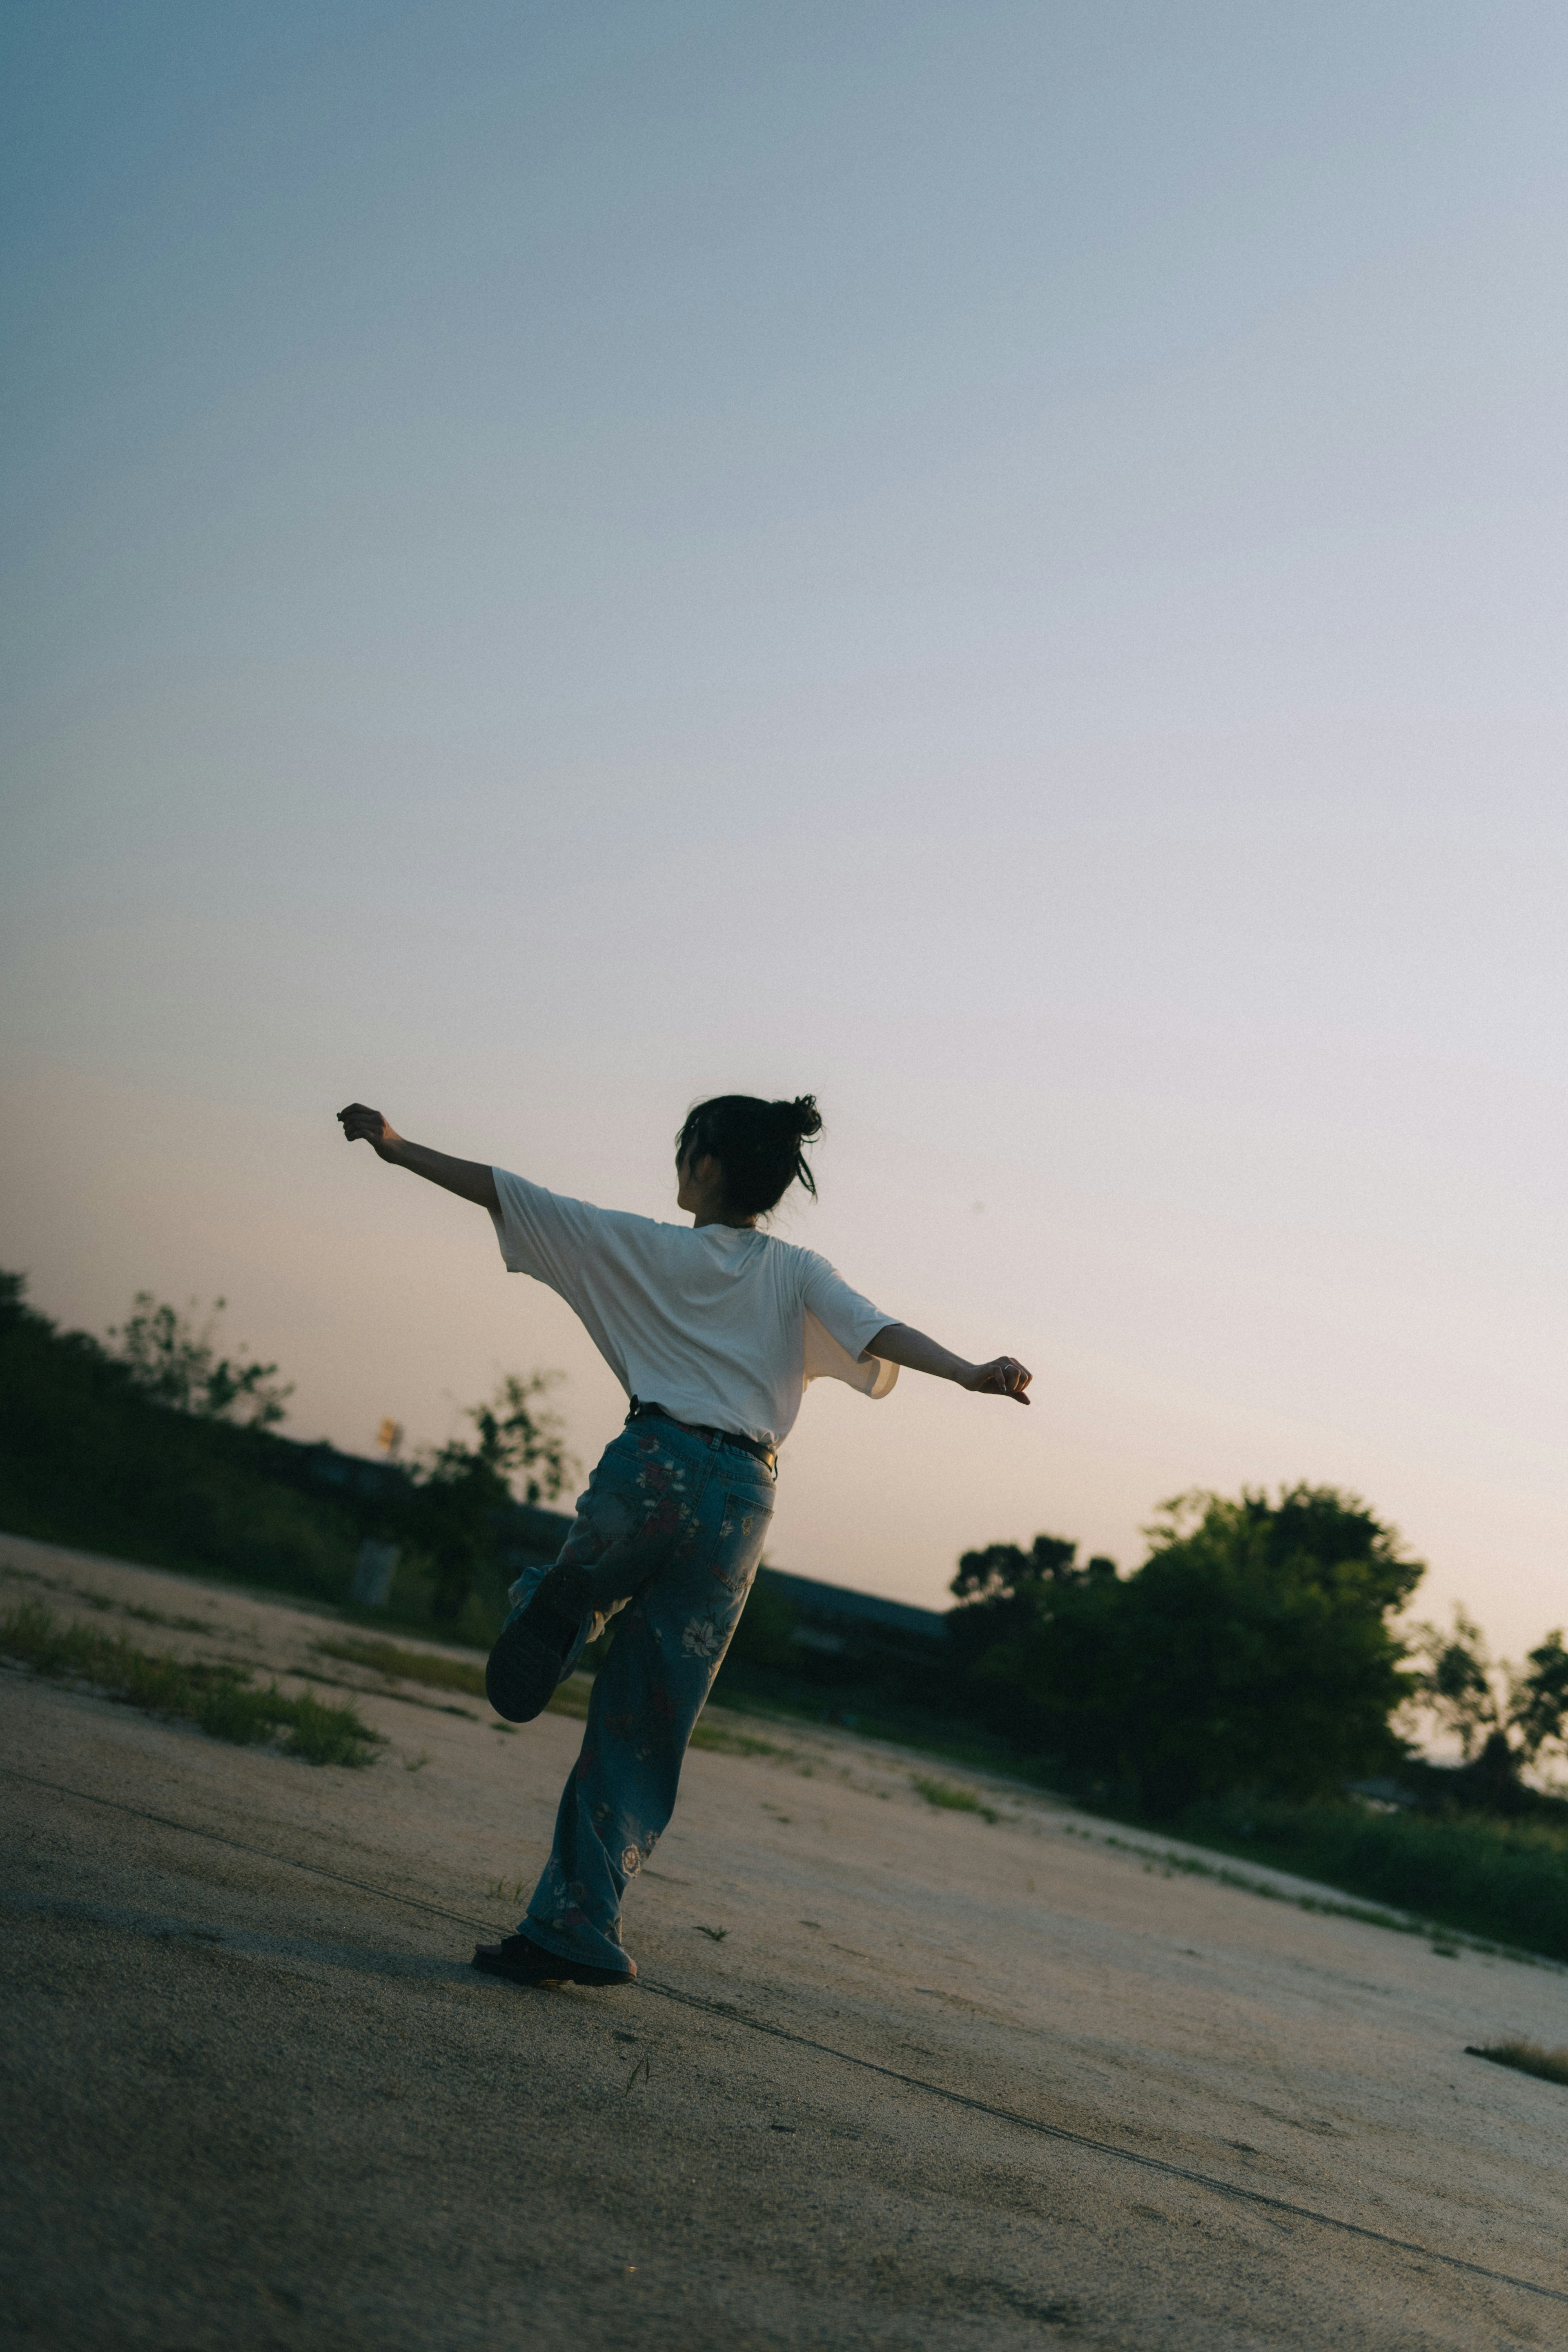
x,y
469,1178
899,1343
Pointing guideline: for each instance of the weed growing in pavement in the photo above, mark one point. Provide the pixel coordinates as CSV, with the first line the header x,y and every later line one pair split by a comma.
x,y
391,1658
950,1799
221,1700
428,1666
103,1603
431,1706
176,1624
1527,2057
723,1741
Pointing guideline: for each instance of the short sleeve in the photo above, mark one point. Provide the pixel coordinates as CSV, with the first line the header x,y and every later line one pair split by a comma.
x,y
540,1233
839,1323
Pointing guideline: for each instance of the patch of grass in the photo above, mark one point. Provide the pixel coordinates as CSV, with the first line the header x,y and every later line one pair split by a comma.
x,y
1171,1865
951,1799
320,1733
1497,1878
176,1624
725,1741
1192,1865
398,1698
221,1700
402,1664
1527,2057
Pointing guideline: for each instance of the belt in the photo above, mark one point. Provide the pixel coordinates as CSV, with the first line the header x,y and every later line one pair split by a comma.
x,y
762,1454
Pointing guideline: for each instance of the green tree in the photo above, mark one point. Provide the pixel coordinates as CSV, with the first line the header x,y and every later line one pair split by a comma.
x,y
171,1363
1538,1698
1006,1590
1252,1648
97,1451
1504,1716
523,1441
467,1489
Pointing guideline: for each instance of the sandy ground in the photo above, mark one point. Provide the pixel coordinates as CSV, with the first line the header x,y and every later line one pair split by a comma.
x,y
893,2076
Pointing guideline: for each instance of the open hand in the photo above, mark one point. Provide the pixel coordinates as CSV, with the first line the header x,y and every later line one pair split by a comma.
x,y
362,1125
1003,1376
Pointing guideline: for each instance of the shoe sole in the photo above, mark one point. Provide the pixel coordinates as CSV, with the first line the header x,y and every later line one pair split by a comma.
x,y
520,1673
566,1974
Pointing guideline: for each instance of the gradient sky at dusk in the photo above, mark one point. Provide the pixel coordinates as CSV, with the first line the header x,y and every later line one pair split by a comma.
x,y
1006,564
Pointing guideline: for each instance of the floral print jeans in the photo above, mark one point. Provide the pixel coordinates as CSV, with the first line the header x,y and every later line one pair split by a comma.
x,y
690,1517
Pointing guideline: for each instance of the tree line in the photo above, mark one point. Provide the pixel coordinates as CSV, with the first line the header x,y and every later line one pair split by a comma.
x,y
157,1440
1261,1645
1258,1646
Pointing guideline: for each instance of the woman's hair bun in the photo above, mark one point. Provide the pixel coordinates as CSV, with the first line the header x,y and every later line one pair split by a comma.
x,y
757,1144
804,1119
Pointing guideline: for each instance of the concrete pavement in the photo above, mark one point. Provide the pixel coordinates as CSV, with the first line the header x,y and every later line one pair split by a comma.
x,y
896,2076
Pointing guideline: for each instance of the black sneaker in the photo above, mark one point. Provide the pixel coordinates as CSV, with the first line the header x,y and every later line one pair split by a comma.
x,y
525,1667
525,1962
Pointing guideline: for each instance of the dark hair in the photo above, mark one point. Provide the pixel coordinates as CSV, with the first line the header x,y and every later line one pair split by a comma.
x,y
756,1143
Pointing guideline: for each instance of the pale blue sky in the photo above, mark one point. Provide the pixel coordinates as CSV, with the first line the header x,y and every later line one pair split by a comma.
x,y
1004,564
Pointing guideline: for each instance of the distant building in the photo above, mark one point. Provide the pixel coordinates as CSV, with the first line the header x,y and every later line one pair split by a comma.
x,y
827,1618
830,1617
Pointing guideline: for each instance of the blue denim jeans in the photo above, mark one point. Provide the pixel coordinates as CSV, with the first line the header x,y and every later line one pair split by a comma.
x,y
696,1514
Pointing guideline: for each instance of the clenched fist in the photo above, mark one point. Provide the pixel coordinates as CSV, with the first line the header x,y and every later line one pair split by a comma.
x,y
1003,1376
362,1125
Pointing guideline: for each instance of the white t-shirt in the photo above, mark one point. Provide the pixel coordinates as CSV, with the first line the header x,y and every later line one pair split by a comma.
x,y
722,1325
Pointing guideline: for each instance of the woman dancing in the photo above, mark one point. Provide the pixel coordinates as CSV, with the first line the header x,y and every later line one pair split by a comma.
x,y
713,1330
